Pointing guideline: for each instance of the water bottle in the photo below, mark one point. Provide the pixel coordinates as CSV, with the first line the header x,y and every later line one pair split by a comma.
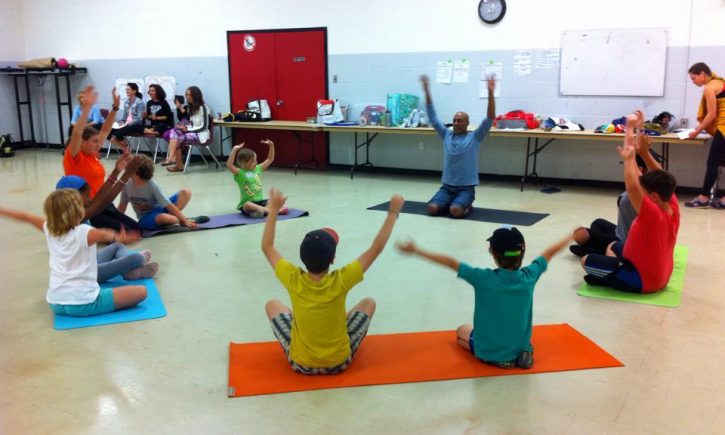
x,y
387,120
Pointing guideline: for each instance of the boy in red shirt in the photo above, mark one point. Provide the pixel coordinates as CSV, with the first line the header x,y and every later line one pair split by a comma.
x,y
644,263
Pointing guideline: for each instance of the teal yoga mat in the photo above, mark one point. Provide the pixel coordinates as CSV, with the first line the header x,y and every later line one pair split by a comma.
x,y
151,308
668,297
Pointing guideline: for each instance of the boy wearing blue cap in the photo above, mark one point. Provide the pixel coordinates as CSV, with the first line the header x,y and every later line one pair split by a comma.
x,y
317,336
501,330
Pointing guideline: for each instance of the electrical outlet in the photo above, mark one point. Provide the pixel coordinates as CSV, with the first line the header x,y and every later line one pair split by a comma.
x,y
421,146
683,122
334,78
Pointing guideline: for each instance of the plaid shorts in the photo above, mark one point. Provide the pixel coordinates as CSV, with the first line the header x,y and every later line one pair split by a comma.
x,y
357,327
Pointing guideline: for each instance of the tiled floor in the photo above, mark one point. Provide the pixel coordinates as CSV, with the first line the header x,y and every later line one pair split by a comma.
x,y
169,375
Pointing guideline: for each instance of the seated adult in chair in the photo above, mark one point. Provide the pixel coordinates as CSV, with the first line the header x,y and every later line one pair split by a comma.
x,y
132,117
196,132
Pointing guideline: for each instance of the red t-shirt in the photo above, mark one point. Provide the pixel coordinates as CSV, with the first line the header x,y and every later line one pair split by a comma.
x,y
651,241
86,166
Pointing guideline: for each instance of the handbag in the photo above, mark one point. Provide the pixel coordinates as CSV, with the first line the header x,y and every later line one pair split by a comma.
x,y
262,107
517,119
329,112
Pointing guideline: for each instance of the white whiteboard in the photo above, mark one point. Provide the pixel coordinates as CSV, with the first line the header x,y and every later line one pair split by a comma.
x,y
618,62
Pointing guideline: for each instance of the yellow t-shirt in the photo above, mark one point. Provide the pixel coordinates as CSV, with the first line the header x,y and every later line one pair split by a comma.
x,y
319,328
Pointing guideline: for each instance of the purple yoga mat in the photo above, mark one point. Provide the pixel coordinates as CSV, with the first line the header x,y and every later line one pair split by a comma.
x,y
226,220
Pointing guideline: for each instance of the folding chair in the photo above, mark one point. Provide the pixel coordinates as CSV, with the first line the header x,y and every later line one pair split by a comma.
x,y
203,146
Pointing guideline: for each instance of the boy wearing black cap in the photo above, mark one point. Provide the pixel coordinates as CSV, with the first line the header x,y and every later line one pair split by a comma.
x,y
501,330
317,335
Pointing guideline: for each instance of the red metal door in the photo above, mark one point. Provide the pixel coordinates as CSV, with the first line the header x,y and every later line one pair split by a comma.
x,y
288,68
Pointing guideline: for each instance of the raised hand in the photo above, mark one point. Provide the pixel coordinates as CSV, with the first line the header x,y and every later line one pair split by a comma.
x,y
267,142
640,118
425,81
237,146
276,199
123,160
396,203
491,82
115,97
626,152
643,143
133,164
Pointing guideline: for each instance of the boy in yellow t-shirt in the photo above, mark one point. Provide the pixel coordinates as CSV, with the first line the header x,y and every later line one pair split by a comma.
x,y
320,338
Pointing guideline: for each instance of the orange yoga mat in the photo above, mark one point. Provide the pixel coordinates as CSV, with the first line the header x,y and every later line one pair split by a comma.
x,y
262,368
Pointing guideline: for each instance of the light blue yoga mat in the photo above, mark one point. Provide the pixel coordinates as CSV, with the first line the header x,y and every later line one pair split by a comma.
x,y
151,308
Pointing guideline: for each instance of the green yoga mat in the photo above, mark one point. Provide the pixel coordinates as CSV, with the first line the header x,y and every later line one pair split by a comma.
x,y
668,297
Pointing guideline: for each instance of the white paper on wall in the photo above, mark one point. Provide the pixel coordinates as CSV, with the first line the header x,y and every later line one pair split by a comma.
x,y
522,62
461,71
444,71
547,58
490,69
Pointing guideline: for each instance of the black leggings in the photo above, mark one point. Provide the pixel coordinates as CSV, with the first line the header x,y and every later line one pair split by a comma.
x,y
133,129
601,234
714,160
111,218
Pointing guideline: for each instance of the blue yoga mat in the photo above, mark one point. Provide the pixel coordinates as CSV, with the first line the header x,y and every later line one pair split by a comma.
x,y
151,308
226,220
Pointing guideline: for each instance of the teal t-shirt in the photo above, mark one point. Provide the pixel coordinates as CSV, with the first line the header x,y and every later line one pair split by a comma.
x,y
503,306
250,185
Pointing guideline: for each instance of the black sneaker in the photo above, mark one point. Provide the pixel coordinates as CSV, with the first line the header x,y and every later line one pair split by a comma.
x,y
201,219
696,203
525,360
579,250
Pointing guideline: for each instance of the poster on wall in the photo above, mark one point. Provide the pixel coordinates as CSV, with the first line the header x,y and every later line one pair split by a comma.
x,y
168,83
490,69
461,71
444,71
522,62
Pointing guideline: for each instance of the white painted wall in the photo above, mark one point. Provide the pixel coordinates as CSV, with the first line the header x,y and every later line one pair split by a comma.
x,y
82,29
12,40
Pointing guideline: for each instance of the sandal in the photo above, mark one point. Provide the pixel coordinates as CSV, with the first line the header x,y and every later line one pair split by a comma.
x,y
168,163
174,169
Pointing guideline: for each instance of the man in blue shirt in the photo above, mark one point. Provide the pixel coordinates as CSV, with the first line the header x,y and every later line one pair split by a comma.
x,y
460,156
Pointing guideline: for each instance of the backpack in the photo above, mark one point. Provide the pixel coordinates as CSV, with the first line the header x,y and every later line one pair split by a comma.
x,y
517,119
329,112
247,116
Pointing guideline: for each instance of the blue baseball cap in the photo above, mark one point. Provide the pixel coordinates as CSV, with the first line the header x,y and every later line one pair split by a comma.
x,y
71,182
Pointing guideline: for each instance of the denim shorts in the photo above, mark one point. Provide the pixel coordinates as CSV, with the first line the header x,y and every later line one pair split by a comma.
x,y
447,195
148,221
102,305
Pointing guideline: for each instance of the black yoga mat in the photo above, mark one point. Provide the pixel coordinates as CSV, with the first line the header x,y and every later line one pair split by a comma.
x,y
477,214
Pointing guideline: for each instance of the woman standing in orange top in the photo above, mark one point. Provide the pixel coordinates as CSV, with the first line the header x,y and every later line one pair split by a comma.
x,y
711,118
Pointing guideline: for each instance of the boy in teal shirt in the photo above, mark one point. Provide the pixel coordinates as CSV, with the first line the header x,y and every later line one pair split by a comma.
x,y
501,330
242,162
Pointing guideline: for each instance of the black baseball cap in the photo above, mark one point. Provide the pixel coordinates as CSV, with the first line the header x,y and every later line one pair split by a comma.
x,y
318,249
508,242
